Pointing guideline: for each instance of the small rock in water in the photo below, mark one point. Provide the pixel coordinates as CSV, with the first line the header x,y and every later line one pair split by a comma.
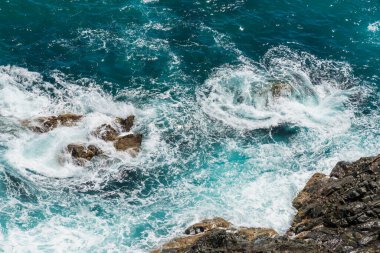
x,y
48,123
126,124
106,132
130,142
82,153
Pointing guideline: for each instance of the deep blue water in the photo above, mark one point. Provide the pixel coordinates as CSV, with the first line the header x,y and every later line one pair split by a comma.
x,y
199,76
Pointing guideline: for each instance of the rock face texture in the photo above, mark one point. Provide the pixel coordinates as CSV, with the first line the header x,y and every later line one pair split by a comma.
x,y
126,124
82,153
106,132
48,123
336,213
130,142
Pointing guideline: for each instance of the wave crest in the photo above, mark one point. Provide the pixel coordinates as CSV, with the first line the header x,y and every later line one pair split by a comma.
x,y
285,87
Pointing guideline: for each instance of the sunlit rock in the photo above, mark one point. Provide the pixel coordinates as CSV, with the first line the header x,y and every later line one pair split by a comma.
x,y
130,142
340,213
82,153
106,132
48,123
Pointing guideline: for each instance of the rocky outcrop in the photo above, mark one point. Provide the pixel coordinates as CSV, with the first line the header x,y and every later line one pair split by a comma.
x,y
48,123
82,153
336,213
130,142
126,124
106,132
206,225
115,132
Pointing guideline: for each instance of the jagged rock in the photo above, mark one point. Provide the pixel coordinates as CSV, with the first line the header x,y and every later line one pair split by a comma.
x,y
106,132
126,124
206,225
82,153
130,142
338,209
48,123
340,213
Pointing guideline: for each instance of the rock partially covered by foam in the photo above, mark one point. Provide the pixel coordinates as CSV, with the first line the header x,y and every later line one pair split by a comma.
x,y
48,123
126,124
116,133
106,132
281,89
82,153
340,213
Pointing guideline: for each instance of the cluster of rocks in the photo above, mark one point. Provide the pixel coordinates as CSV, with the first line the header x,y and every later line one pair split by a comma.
x,y
117,132
48,123
336,213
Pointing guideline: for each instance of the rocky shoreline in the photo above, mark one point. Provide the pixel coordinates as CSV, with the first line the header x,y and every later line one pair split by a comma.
x,y
336,213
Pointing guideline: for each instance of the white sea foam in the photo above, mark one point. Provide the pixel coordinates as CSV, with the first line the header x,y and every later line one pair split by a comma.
x,y
197,169
374,27
22,96
243,97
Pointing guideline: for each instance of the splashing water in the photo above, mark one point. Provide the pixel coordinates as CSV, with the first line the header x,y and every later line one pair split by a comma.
x,y
282,89
234,121
156,192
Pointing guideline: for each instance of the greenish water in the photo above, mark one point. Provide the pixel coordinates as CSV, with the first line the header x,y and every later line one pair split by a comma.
x,y
199,77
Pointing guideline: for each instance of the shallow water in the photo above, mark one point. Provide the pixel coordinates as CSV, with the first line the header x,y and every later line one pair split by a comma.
x,y
201,78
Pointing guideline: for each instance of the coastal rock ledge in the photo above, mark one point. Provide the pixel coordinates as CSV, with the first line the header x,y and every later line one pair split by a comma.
x,y
336,213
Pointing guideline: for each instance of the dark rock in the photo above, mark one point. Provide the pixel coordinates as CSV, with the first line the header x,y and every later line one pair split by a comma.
x,y
46,124
126,124
130,142
340,213
82,153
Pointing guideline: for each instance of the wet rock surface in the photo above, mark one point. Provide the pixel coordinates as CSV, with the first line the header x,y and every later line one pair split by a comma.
x,y
126,124
82,153
48,123
130,142
106,132
336,213
206,225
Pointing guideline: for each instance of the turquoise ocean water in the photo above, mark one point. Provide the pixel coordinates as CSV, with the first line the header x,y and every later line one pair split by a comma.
x,y
198,75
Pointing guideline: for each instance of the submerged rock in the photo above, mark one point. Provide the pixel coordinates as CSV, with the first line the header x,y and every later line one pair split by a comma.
x,y
130,142
82,153
280,89
48,123
340,213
